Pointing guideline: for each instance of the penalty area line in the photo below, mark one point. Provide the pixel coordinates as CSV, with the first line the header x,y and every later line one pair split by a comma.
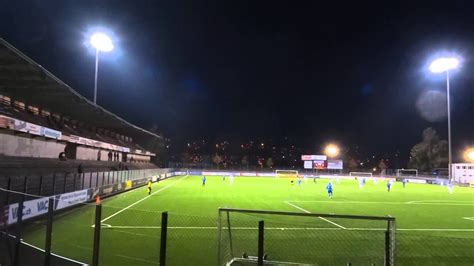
x,y
322,218
140,200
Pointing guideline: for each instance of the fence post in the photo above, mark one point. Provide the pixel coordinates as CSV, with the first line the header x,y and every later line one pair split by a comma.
x,y
41,186
54,183
230,234
18,235
390,243
96,179
64,185
98,215
9,187
90,179
83,178
49,232
25,185
219,235
260,243
74,183
103,178
164,229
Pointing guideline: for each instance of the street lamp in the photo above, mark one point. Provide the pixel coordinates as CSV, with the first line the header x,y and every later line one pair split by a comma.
x,y
102,43
331,150
440,65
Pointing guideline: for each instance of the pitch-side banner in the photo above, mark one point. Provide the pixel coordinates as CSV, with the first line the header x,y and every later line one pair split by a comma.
x,y
31,208
72,198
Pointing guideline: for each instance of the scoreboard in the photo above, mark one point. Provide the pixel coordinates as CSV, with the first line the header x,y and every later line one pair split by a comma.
x,y
320,162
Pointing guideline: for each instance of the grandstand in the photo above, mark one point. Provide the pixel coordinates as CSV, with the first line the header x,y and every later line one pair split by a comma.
x,y
42,117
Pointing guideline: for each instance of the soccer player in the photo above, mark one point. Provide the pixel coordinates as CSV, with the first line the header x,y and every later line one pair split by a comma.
x,y
223,178
299,181
203,179
149,187
329,189
361,183
450,188
404,181
314,178
389,185
231,177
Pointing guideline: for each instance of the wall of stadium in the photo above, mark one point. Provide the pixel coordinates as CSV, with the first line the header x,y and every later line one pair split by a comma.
x,y
13,145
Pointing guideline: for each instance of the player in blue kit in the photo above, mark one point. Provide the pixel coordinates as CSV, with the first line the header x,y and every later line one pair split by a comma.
x,y
329,189
203,179
404,181
389,185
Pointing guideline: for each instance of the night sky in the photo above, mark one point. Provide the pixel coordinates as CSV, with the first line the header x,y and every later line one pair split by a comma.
x,y
349,72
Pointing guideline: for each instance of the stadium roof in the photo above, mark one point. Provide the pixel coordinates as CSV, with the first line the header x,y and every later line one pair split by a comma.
x,y
24,79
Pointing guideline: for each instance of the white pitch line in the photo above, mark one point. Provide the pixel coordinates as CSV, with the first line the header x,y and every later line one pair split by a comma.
x,y
290,228
322,218
392,202
136,259
138,201
296,206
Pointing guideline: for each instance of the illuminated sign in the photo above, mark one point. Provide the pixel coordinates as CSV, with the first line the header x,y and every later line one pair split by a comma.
x,y
313,157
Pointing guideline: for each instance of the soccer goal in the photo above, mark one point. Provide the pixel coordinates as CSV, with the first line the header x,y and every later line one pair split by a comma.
x,y
286,173
407,172
360,174
258,237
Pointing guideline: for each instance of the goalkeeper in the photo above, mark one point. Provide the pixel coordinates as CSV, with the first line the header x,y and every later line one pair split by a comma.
x,y
148,188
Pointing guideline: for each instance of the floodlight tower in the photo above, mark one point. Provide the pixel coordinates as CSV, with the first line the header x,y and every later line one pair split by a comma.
x,y
101,43
440,65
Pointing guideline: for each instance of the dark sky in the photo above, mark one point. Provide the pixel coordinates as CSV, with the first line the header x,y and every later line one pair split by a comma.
x,y
347,71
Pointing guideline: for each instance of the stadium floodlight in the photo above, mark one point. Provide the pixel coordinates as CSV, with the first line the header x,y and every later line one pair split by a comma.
x,y
331,150
444,64
469,155
440,65
101,43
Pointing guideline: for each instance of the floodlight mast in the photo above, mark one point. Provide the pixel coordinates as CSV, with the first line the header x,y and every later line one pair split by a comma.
x,y
101,43
440,65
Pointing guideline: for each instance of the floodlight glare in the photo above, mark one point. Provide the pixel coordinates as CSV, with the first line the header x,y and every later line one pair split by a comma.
x,y
331,150
102,42
444,64
469,155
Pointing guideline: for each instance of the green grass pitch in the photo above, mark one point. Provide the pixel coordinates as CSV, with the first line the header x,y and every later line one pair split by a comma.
x,y
434,227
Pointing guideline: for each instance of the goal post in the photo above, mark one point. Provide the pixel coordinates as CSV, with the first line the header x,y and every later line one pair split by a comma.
x,y
286,173
407,172
360,174
246,237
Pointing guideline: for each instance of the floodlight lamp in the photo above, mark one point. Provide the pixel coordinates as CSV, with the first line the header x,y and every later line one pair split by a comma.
x,y
444,64
102,42
469,155
331,150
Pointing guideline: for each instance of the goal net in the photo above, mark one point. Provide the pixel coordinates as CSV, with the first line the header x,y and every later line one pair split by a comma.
x,y
407,172
286,173
293,238
360,174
